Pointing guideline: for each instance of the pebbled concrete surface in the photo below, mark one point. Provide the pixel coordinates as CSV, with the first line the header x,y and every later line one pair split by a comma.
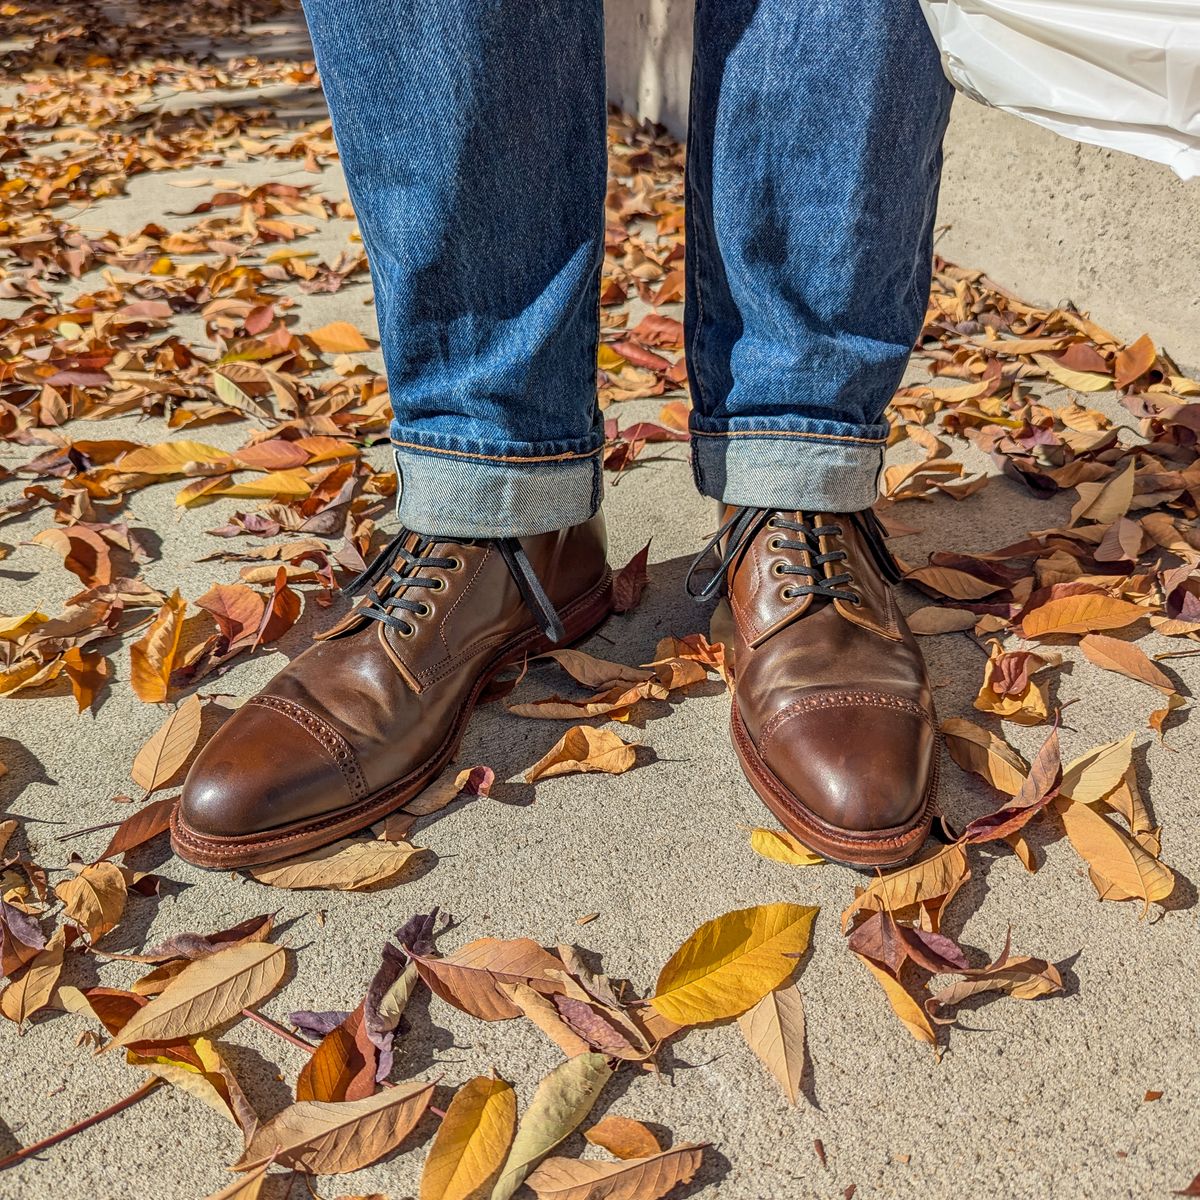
x,y
1030,1100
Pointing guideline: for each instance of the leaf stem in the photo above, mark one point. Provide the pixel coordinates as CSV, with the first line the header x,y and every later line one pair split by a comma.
x,y
79,1126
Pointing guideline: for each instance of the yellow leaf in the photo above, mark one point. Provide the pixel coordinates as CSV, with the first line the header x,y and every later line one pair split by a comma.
x,y
288,484
472,1142
152,656
12,629
171,458
339,337
780,846
731,962
911,1014
1131,872
1080,614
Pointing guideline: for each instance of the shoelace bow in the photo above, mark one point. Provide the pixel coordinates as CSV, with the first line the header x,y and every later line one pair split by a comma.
x,y
396,570
744,524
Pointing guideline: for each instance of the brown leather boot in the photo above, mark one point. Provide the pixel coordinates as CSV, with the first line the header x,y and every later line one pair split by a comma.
x,y
832,717
359,723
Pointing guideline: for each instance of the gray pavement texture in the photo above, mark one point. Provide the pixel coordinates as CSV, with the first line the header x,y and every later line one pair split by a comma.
x,y
1030,1099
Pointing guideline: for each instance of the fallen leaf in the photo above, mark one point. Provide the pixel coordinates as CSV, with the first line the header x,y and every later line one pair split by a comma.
x,y
1129,871
912,1015
780,846
94,898
630,582
339,337
31,992
333,1138
472,976
632,1179
472,1142
152,656
341,1067
727,965
138,828
984,754
346,866
562,1100
1126,659
1021,978
583,749
207,993
937,877
169,747
88,674
774,1030
623,1137
1080,614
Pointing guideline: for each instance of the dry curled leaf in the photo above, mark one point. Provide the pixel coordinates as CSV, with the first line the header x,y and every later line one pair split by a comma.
x,y
152,656
583,749
94,898
623,1137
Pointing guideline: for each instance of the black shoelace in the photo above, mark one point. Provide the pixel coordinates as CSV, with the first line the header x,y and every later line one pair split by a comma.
x,y
744,524
397,570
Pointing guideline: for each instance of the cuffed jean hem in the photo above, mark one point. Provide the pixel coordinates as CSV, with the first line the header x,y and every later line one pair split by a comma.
x,y
824,468
465,494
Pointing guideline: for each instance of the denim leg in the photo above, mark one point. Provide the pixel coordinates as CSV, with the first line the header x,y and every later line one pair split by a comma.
x,y
814,155
472,133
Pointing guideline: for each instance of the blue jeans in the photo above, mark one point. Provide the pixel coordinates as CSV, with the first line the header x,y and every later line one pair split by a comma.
x,y
472,133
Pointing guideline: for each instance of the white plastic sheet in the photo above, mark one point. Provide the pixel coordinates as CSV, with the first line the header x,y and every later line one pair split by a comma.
x,y
1118,73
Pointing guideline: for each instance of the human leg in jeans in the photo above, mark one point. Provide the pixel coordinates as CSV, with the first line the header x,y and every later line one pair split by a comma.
x,y
473,140
813,163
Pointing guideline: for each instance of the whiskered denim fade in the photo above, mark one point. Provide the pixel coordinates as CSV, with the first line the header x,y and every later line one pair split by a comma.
x,y
472,133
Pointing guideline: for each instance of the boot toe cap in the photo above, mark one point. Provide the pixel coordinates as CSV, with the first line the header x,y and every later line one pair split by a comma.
x,y
258,772
865,766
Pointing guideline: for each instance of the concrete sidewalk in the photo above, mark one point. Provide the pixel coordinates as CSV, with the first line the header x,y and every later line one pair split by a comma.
x,y
1031,1099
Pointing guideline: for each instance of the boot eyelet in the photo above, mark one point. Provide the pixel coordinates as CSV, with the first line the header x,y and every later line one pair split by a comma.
x,y
406,632
456,564
775,544
424,610
777,569
786,594
438,585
